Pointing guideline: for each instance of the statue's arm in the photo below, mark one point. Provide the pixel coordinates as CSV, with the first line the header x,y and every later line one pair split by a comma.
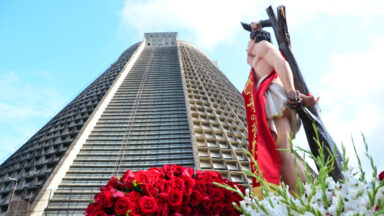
x,y
253,26
251,53
265,23
273,58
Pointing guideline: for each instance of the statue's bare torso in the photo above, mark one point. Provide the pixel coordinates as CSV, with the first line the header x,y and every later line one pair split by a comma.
x,y
264,58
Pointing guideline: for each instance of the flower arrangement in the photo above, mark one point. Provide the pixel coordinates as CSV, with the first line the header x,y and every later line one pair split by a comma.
x,y
169,190
355,195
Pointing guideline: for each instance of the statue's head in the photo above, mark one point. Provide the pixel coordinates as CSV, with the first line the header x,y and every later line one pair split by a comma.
x,y
260,35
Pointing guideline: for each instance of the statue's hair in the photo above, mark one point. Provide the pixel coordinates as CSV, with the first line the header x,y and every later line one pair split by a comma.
x,y
261,35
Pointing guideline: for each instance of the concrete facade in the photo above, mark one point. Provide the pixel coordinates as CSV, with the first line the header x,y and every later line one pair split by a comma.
x,y
162,102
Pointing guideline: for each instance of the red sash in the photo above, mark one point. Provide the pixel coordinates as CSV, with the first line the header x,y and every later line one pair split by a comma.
x,y
261,143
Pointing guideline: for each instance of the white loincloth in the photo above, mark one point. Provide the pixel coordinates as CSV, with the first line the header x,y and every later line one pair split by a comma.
x,y
276,103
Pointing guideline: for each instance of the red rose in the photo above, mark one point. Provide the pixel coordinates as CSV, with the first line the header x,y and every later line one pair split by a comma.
x,y
163,196
135,210
207,202
142,186
175,197
118,194
99,213
105,187
115,183
236,197
133,196
185,210
207,178
177,170
151,190
201,186
195,198
159,184
167,187
155,169
199,175
185,200
163,185
189,183
122,205
229,198
203,211
127,180
170,190
148,205
229,211
381,176
128,176
164,208
141,177
168,172
213,175
178,183
226,181
105,199
217,207
217,194
188,171
93,207
153,174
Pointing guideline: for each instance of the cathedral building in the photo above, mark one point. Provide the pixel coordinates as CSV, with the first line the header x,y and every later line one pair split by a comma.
x,y
162,102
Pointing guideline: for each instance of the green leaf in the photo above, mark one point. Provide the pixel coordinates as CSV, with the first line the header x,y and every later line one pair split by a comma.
x,y
379,212
340,207
362,176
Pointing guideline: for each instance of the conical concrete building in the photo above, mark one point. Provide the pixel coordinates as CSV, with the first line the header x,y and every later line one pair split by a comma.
x,y
162,102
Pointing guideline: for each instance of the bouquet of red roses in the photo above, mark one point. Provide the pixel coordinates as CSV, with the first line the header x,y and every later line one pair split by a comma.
x,y
169,190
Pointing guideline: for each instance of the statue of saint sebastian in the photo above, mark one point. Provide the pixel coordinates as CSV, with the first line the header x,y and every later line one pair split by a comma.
x,y
270,98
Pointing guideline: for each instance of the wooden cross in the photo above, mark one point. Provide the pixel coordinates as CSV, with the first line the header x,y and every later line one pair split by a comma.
x,y
308,115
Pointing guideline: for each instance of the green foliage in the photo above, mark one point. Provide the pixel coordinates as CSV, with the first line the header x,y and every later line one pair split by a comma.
x,y
321,195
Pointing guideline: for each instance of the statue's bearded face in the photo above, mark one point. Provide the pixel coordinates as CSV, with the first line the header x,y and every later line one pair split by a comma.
x,y
261,35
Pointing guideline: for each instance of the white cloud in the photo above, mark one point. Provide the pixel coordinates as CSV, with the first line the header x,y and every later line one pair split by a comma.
x,y
355,81
210,22
217,21
8,111
300,12
20,99
352,94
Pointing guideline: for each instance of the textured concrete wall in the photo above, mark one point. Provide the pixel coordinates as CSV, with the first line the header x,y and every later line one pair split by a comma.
x,y
33,163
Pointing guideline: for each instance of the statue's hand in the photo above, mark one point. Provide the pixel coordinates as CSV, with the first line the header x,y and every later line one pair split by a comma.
x,y
309,100
296,100
256,26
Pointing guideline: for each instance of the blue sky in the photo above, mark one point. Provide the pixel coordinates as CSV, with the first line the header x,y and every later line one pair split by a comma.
x,y
51,50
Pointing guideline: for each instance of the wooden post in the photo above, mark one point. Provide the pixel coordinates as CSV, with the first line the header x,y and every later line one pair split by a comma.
x,y
13,193
308,115
29,202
